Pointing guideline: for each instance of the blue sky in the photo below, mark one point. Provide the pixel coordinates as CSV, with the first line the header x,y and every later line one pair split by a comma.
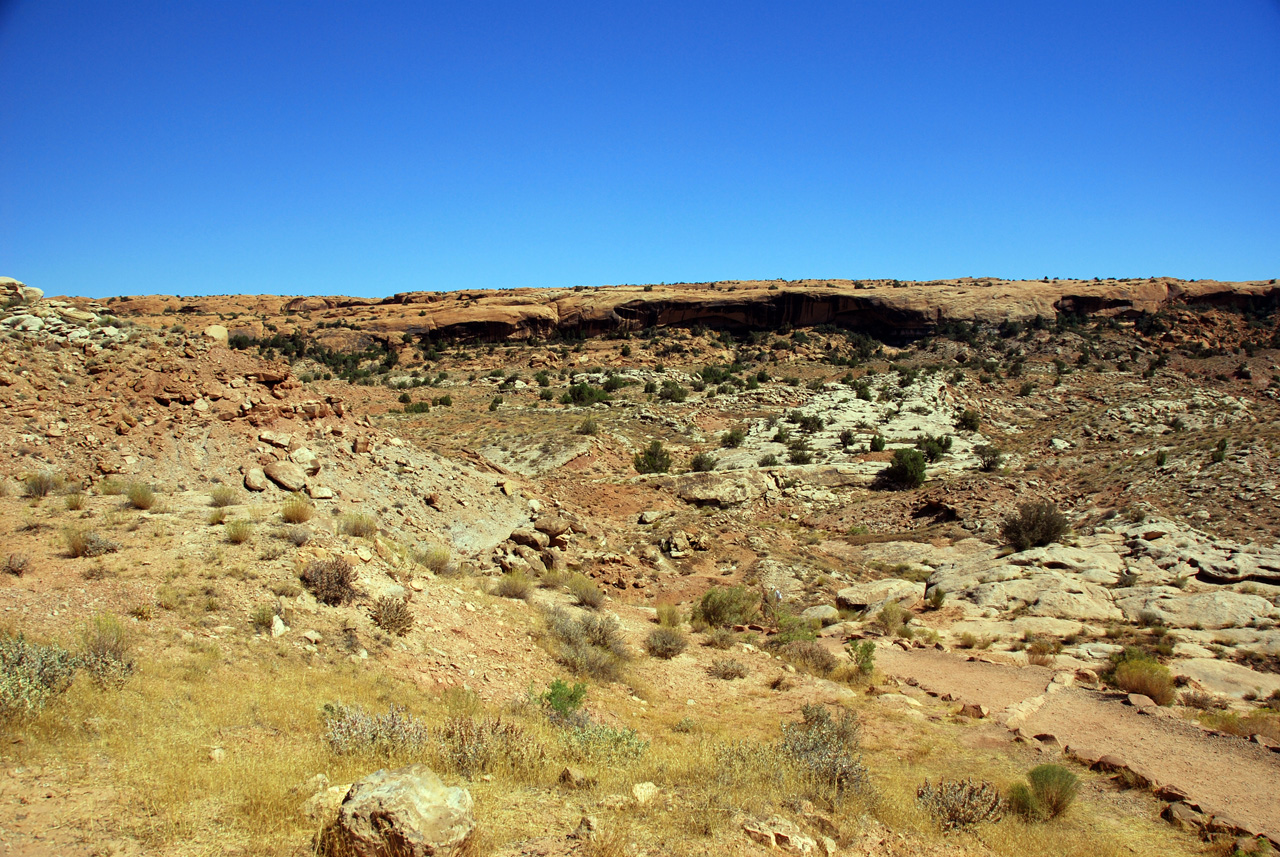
x,y
375,147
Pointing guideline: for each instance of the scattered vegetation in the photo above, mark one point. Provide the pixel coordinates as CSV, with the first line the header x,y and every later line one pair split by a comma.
x,y
393,615
331,581
296,510
1048,792
1036,523
957,804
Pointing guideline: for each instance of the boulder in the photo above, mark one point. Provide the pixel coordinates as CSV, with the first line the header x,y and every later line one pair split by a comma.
x,y
823,613
716,489
777,833
286,474
530,538
255,479
216,333
278,439
408,812
1179,609
552,525
872,596
307,460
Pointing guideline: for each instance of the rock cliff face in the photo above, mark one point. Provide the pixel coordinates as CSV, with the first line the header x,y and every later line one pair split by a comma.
x,y
888,310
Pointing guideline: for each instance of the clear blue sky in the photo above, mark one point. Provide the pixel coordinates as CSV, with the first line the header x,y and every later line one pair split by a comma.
x,y
376,147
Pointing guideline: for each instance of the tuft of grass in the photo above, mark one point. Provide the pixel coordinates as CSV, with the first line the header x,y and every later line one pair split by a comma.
x,y
665,643
222,496
585,591
669,616
727,669
261,617
1137,672
515,584
217,517
809,656
720,638
106,651
75,501
140,496
41,484
359,524
1048,793
239,532
432,557
297,536
296,510
393,615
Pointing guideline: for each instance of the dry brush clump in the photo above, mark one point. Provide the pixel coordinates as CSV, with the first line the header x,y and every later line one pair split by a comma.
x,y
956,804
1137,672
239,532
17,564
585,591
590,644
827,752
665,643
514,584
107,647
296,510
350,730
221,496
810,656
432,557
81,543
472,746
331,581
723,606
31,674
359,525
1036,524
41,484
727,669
140,496
392,615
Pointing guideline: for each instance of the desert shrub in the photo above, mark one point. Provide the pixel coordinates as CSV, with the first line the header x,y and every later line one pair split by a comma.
x,y
31,674
285,589
471,746
585,591
907,470
800,456
727,669
720,638
87,543
41,484
515,584
703,462
583,394
349,730
810,656
654,459
933,448
359,524
392,615
331,581
296,510
217,517
17,564
722,606
1139,673
1048,793
589,426
106,647
561,700
956,804
140,495
297,536
891,618
589,644
432,557
733,438
665,643
111,487
989,457
877,443
863,655
968,421
1036,523
826,752
262,617
672,392
669,616
223,495
769,460
1201,700
1041,653
239,532
75,501
589,741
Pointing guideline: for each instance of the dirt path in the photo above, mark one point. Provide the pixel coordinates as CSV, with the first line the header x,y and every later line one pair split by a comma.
x,y
1224,775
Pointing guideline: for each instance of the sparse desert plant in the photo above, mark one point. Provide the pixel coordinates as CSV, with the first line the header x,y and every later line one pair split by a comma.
x,y
826,752
239,532
733,438
669,616
722,606
472,746
111,487
562,700
1137,672
1036,523
589,644
589,426
106,651
349,730
223,495
957,804
392,615
585,591
665,643
296,510
653,459
703,462
934,448
82,543
75,501
1041,653
31,674
727,669
937,596
40,484
285,589
1048,793
17,564
432,557
891,619
720,638
809,656
989,457
907,470
297,536
1202,701
968,420
769,460
359,524
262,617
217,517
140,496
331,581
863,655
514,584
877,443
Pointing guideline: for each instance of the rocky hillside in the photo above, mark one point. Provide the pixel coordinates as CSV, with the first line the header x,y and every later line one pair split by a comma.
x,y
998,523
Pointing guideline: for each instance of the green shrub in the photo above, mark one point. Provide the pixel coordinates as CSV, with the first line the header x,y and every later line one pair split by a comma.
x,y
877,443
863,655
589,426
891,618
262,617
392,615
733,438
31,674
561,699
1036,523
654,459
989,457
847,438
672,392
106,647
140,496
722,606
934,448
769,460
331,581
1048,793
907,470
968,420
1138,673
703,462
515,584
665,643
583,394
957,804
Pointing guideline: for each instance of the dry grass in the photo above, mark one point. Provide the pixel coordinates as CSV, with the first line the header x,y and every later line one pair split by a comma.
x,y
140,496
223,495
296,510
359,524
515,584
239,532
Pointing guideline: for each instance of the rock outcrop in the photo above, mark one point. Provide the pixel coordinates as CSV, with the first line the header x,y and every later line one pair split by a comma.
x,y
408,812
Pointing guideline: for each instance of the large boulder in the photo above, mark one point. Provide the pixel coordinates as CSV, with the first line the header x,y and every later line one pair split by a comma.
x,y
216,334
1178,609
722,489
408,812
873,596
286,474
